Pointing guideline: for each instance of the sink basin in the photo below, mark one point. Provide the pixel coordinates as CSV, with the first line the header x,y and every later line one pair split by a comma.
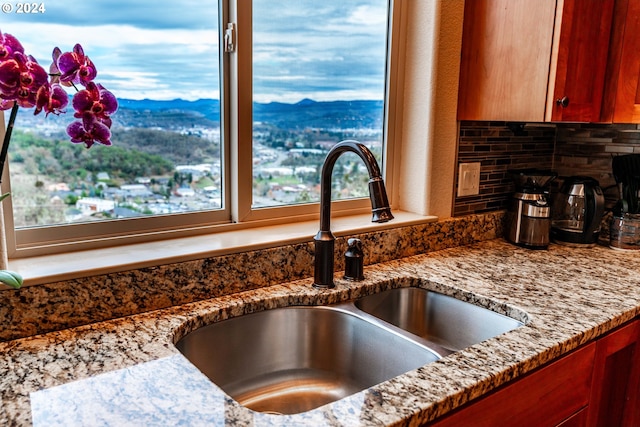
x,y
293,359
446,321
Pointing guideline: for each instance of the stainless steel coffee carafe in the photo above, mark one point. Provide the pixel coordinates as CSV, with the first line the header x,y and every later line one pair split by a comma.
x,y
529,213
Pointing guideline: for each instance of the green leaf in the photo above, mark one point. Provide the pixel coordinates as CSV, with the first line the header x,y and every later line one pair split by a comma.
x,y
11,279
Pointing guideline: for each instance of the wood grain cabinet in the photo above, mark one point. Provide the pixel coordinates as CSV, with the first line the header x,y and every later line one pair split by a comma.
x,y
615,391
595,385
579,419
622,83
546,397
534,61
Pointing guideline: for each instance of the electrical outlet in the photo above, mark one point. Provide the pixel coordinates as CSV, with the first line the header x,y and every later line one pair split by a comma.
x,y
468,179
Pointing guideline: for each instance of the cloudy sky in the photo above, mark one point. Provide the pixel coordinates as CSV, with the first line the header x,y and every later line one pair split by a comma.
x,y
161,49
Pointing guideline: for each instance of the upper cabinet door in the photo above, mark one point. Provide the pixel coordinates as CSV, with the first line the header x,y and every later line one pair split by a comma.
x,y
622,84
579,60
506,51
534,61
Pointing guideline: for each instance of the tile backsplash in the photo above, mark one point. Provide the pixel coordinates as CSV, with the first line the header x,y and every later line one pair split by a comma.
x,y
567,148
587,149
499,147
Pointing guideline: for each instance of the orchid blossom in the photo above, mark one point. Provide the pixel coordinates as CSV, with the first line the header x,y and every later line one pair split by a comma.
x,y
25,83
89,131
22,76
9,45
97,100
52,98
75,67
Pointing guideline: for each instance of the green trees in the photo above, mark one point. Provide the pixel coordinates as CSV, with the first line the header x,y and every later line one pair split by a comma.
x,y
49,173
61,161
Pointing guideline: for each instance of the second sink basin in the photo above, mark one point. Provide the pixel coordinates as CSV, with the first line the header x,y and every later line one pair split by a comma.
x,y
293,359
444,320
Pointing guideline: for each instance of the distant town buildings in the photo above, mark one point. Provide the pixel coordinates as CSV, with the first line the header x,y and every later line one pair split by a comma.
x,y
91,205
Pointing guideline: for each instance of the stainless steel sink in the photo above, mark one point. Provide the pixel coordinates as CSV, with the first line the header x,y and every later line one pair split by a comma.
x,y
294,359
446,321
290,360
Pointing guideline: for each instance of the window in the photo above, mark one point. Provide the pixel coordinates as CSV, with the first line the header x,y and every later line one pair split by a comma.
x,y
315,82
202,137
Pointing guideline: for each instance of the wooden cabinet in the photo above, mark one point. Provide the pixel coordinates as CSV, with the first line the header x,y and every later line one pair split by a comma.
x,y
548,396
534,61
596,385
579,419
622,89
615,391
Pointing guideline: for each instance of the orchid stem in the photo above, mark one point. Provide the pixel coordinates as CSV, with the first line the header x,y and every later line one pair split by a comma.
x,y
7,137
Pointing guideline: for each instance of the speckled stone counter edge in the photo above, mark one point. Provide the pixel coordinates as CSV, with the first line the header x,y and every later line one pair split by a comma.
x,y
55,306
565,296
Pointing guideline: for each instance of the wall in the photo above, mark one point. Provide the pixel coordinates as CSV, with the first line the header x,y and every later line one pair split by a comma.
x,y
427,111
567,148
500,148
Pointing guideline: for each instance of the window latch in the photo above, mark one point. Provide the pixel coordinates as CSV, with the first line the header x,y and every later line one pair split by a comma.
x,y
230,38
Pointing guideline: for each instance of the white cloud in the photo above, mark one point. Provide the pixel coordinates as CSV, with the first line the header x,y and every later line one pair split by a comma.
x,y
374,15
302,48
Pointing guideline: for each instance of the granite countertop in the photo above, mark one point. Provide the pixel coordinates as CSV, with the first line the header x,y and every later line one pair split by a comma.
x,y
128,372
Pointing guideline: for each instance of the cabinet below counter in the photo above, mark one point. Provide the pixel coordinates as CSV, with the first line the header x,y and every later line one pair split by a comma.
x,y
595,385
580,308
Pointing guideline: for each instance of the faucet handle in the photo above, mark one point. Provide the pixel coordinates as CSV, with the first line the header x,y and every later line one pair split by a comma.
x,y
354,261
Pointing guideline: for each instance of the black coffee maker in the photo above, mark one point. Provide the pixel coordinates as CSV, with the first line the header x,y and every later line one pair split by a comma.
x,y
529,213
577,212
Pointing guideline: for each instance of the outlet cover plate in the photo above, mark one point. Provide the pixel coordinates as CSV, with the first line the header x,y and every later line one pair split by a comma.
x,y
468,179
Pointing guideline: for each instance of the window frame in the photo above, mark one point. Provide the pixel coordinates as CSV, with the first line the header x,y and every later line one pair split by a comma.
x,y
242,209
236,152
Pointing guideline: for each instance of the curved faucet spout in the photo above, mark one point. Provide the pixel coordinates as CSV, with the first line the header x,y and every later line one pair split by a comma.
x,y
324,240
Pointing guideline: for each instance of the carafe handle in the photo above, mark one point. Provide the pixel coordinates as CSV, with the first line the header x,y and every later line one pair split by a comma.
x,y
594,199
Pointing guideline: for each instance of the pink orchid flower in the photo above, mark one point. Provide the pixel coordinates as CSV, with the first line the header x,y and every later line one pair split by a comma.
x,y
24,83
8,46
52,98
96,100
20,79
54,71
9,79
75,67
89,130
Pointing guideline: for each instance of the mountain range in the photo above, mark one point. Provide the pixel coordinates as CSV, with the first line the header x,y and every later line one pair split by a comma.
x,y
180,114
306,113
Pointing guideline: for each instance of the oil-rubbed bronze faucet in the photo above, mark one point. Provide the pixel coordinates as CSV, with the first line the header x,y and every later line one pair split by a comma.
x,y
324,240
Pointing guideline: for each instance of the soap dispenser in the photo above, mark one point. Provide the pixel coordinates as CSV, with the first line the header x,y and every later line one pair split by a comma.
x,y
354,260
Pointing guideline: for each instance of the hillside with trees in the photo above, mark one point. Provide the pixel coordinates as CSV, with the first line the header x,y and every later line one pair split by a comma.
x,y
173,149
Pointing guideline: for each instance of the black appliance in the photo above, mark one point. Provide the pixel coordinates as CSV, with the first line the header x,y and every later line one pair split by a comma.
x,y
577,212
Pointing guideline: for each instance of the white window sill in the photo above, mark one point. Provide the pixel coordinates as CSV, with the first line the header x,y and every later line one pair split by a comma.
x,y
53,268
